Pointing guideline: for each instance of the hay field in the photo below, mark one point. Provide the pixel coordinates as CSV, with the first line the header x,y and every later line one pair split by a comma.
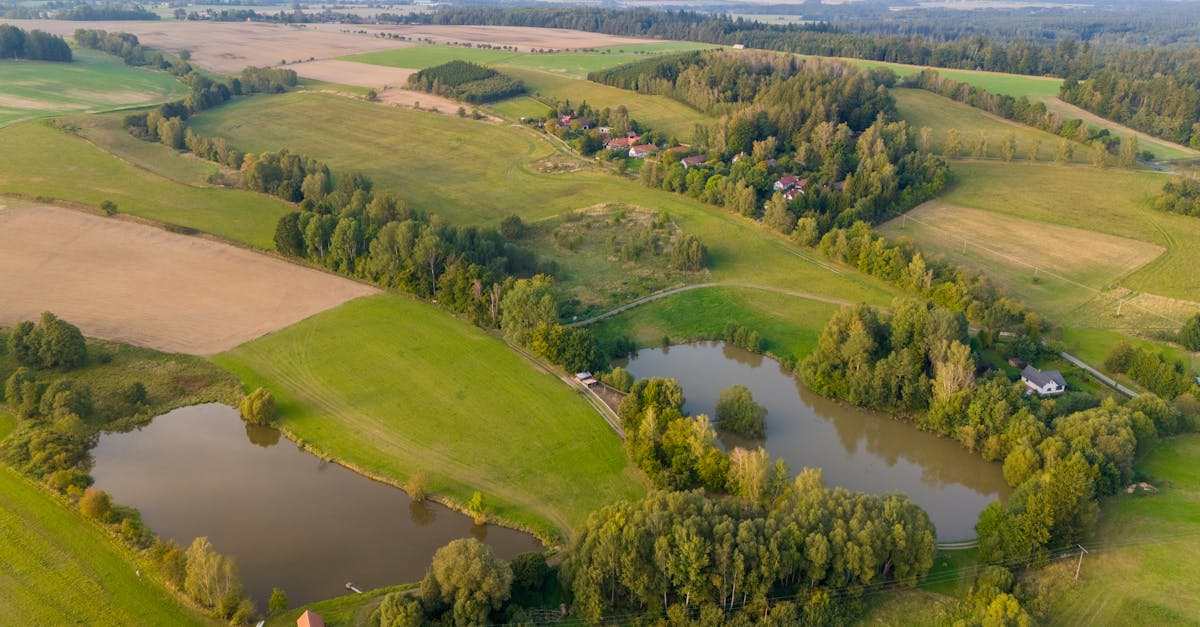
x,y
1055,269
132,283
388,82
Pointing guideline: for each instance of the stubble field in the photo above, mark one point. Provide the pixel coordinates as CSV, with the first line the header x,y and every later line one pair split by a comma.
x,y
132,283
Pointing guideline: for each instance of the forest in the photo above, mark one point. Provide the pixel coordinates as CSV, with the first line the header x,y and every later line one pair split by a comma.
x,y
34,45
829,126
469,82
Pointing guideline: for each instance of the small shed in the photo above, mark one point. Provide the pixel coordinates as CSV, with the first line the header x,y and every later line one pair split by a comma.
x,y
1047,383
586,378
310,619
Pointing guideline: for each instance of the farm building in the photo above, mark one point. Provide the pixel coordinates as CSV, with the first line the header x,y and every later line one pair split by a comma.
x,y
586,378
637,152
1044,383
689,162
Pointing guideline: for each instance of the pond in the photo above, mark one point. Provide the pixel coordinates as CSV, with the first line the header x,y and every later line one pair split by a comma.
x,y
855,448
289,518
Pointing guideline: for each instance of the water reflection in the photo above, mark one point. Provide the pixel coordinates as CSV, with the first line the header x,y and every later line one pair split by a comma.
x,y
855,448
291,520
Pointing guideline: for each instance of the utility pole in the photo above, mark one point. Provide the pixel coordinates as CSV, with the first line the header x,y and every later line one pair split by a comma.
x,y
1080,564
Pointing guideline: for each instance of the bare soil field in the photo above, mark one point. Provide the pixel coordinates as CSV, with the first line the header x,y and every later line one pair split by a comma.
x,y
134,283
387,81
230,46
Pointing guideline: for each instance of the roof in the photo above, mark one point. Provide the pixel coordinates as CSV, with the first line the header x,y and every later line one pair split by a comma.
x,y
788,181
643,149
310,619
620,142
1041,379
696,160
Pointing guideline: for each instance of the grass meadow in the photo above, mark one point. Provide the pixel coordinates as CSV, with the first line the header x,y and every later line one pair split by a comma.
x,y
60,568
94,81
922,108
789,325
1142,566
478,172
47,163
393,387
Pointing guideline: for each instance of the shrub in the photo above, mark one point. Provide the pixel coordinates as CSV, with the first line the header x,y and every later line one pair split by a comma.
x,y
95,504
258,407
108,207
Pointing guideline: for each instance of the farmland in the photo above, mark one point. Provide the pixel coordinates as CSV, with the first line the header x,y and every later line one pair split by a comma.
x,y
94,81
42,161
61,568
123,281
464,409
560,76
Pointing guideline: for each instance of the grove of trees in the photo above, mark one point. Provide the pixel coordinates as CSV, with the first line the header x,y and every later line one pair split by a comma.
x,y
34,45
463,80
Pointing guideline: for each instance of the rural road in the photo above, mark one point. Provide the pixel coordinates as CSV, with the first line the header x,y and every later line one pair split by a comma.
x,y
675,290
1099,376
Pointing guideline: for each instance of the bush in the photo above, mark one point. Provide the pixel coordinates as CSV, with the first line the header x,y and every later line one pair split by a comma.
x,y
109,208
258,407
95,504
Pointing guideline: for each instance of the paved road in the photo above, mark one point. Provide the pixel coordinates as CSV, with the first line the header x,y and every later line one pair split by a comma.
x,y
1101,377
675,290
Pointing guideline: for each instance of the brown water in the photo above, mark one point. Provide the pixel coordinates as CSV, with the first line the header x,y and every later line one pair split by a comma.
x,y
289,518
855,449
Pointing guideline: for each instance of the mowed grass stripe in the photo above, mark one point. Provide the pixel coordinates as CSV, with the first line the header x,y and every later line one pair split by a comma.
x,y
42,161
393,387
60,569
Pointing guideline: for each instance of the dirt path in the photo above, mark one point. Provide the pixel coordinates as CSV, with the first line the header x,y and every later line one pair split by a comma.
x,y
142,285
675,290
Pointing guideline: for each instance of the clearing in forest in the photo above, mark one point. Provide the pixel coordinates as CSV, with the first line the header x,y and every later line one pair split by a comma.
x,y
133,283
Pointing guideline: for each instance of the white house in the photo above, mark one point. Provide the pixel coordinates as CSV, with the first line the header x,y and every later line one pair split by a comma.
x,y
637,152
1045,383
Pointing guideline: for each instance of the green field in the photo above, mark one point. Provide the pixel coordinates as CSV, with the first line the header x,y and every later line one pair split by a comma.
x,y
520,107
344,611
392,386
1142,568
95,81
481,172
43,162
60,568
922,108
789,325
1015,85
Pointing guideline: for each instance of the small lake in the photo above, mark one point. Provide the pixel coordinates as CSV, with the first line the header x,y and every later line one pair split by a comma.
x,y
855,448
291,519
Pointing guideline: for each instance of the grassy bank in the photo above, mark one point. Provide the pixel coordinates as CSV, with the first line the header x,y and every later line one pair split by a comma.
x,y
60,568
789,325
94,81
343,611
44,162
392,387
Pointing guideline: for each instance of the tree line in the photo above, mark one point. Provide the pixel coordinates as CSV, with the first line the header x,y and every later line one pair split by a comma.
x,y
34,45
87,11
61,417
469,82
828,124
1180,195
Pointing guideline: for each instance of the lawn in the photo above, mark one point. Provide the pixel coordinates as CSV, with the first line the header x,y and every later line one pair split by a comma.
x,y
344,611
95,81
60,568
926,109
1141,568
44,162
789,325
392,386
473,172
